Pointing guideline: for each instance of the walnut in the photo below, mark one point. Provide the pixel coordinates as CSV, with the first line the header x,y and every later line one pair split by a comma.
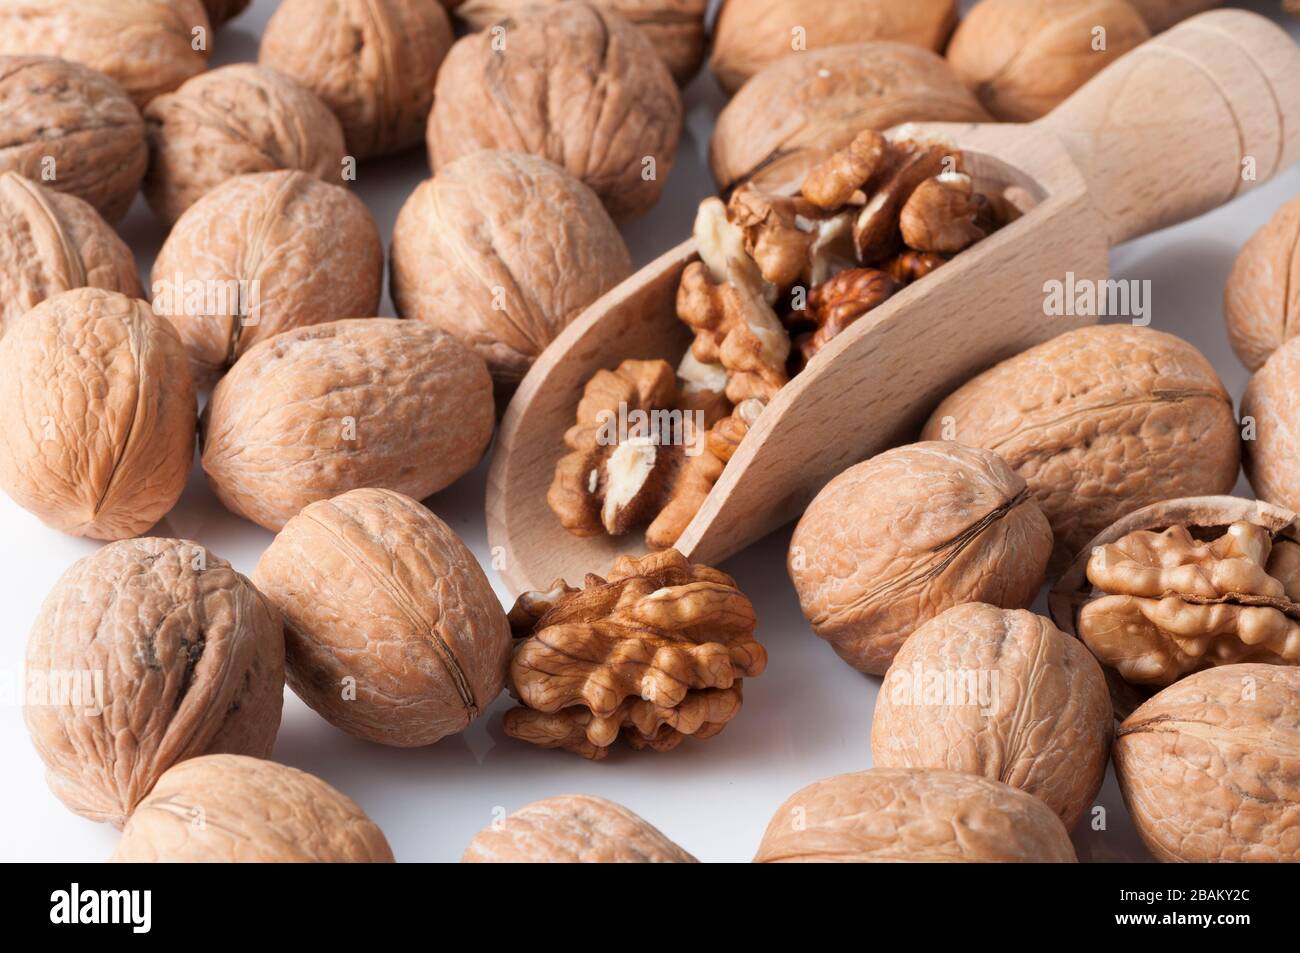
x,y
655,652
232,121
1002,693
224,808
892,815
315,411
1271,402
572,83
839,178
892,542
73,129
802,109
912,266
911,158
185,659
51,242
1259,302
940,216
791,239
148,46
575,829
1100,421
96,414
221,12
392,631
372,61
1210,767
751,34
503,250
836,303
674,27
1023,57
261,254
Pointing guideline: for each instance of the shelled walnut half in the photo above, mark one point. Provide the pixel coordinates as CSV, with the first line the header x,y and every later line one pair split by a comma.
x,y
1185,585
654,653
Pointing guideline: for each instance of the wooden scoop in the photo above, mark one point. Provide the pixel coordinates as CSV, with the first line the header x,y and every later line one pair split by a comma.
x,y
1182,124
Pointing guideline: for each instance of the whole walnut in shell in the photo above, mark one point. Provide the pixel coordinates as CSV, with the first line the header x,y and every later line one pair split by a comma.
x,y
674,27
50,243
261,254
1100,421
754,33
315,411
894,541
906,815
97,412
1262,297
799,110
177,656
1023,57
221,11
1001,693
503,250
148,46
226,808
1271,407
73,129
573,829
392,631
1210,767
573,83
232,121
372,61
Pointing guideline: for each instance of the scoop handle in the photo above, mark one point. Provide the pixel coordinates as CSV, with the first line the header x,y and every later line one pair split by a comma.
x,y
1186,122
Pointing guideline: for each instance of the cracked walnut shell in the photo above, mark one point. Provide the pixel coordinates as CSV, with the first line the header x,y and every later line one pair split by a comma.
x,y
907,815
233,121
1262,297
1210,767
674,27
573,829
373,62
1100,421
1000,693
97,414
73,129
315,411
573,83
224,808
892,542
147,46
392,631
655,653
51,242
503,250
261,254
179,656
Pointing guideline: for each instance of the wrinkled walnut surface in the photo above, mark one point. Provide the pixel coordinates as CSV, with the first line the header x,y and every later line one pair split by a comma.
x,y
802,108
230,809
899,538
1272,400
1260,301
750,34
656,652
51,242
96,414
148,46
303,251
232,121
573,829
999,693
372,61
192,660
503,250
905,815
574,84
79,119
319,410
1210,767
392,630
1100,421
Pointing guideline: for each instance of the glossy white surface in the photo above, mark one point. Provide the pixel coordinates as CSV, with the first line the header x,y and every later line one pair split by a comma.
x,y
806,718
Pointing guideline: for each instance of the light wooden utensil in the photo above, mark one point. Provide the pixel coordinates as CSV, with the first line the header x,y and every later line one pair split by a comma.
x,y
1184,123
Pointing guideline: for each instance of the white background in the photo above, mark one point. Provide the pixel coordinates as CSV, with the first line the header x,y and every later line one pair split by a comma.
x,y
806,718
